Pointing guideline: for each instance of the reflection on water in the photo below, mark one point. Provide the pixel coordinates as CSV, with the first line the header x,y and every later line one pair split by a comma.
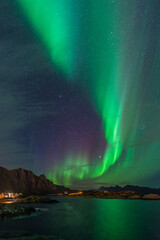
x,y
94,219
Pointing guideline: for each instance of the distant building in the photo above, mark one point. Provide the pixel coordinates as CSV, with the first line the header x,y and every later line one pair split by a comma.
x,y
8,195
75,193
1,195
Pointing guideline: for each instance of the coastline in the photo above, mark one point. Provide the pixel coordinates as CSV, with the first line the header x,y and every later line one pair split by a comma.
x,y
146,197
13,207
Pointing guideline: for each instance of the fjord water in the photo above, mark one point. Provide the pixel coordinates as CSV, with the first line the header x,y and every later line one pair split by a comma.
x,y
93,219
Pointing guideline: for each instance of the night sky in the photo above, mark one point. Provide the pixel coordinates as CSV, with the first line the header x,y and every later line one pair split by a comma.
x,y
80,90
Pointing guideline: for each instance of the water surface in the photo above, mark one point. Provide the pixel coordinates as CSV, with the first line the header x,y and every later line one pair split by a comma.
x,y
93,219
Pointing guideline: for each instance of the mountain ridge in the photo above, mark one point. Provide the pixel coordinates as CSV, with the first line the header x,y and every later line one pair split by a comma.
x,y
138,189
25,181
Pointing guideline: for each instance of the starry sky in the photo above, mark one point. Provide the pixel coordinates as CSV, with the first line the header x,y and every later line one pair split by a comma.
x,y
80,90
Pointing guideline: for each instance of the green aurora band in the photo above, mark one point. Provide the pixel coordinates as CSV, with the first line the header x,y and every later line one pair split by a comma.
x,y
101,43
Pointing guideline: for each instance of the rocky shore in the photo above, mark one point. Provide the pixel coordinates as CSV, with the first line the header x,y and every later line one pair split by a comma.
x,y
29,199
21,235
36,199
115,195
13,207
14,210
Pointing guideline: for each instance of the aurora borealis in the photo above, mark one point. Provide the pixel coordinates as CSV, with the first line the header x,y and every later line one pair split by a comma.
x,y
88,111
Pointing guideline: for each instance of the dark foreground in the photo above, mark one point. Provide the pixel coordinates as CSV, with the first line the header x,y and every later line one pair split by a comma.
x,y
14,208
22,235
91,219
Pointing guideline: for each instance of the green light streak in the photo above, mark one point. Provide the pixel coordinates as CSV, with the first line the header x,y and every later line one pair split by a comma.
x,y
102,53
102,41
73,167
104,73
53,22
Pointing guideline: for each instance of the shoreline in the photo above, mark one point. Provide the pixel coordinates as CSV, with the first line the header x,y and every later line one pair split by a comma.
x,y
15,207
147,197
